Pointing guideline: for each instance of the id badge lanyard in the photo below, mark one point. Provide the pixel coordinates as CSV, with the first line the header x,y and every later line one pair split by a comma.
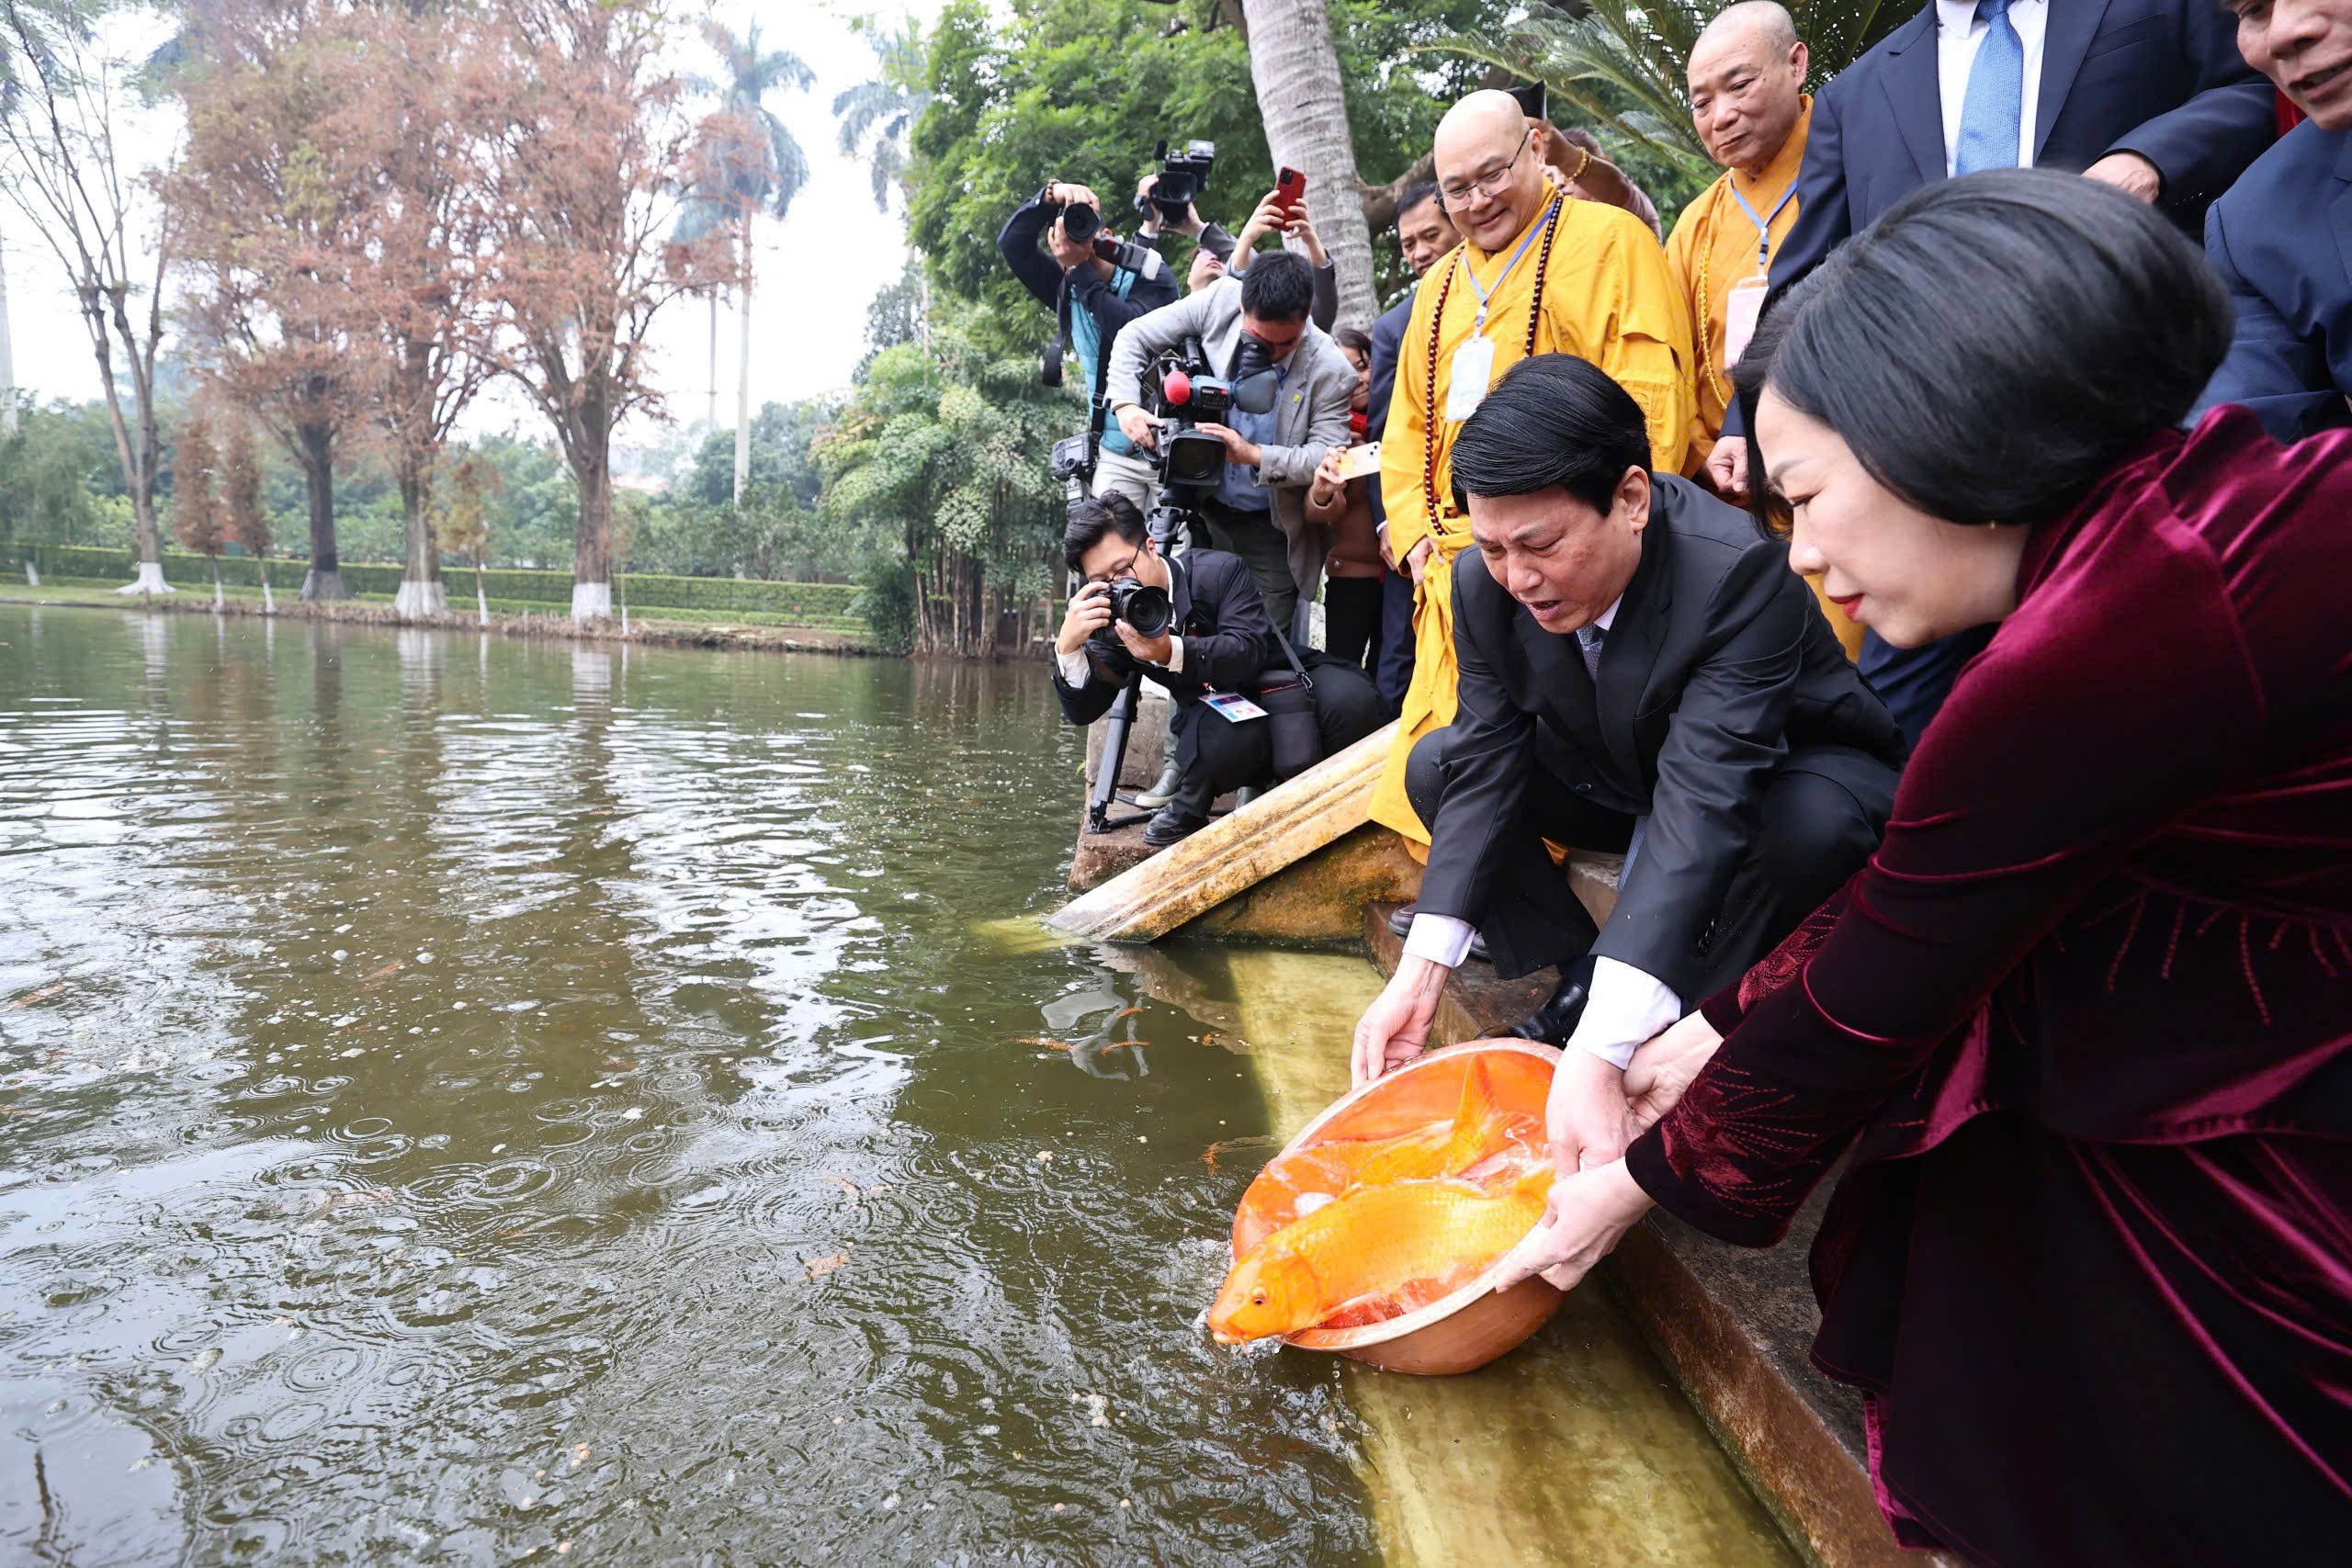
x,y
1472,367
1743,301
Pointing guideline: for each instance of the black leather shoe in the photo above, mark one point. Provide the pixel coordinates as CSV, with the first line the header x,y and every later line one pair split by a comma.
x,y
1170,823
1400,920
1557,1019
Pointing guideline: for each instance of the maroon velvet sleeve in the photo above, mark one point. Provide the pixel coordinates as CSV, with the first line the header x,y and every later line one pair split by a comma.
x,y
2116,696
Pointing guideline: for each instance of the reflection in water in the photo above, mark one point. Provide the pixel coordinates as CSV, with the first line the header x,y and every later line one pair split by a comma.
x,y
461,1096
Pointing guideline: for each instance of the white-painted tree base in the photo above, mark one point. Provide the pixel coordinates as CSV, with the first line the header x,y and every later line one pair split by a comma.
x,y
32,575
481,606
268,604
592,601
149,580
319,587
218,598
416,599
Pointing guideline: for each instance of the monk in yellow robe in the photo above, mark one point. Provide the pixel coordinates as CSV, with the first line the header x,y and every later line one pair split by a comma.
x,y
1537,272
1748,102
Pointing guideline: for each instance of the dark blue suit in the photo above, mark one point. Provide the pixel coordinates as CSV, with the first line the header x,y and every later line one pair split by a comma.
x,y
2161,78
1392,669
2282,241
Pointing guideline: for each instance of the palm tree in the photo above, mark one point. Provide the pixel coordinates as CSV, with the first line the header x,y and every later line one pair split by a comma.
x,y
746,163
1623,62
877,115
1294,65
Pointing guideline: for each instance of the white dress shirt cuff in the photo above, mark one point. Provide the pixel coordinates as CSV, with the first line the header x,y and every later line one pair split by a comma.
x,y
1440,939
1626,1007
1074,667
1175,656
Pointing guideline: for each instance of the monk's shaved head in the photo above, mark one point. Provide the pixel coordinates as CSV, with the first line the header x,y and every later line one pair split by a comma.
x,y
1768,20
1483,141
1748,72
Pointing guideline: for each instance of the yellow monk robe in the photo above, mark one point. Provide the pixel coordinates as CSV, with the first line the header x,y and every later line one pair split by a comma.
x,y
1712,249
1608,297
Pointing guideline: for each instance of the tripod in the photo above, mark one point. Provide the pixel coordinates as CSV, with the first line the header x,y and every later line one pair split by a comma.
x,y
1121,720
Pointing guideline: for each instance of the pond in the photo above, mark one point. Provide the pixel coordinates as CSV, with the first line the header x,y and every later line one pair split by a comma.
x,y
465,1100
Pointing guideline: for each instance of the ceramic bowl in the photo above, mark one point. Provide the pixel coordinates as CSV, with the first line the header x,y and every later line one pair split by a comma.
x,y
1473,1325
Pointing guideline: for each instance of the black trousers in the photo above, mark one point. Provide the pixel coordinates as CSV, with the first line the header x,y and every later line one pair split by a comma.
x,y
1393,663
1817,826
1218,755
1351,617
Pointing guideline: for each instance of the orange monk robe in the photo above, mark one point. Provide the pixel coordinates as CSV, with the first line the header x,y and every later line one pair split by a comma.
x,y
1608,297
1712,248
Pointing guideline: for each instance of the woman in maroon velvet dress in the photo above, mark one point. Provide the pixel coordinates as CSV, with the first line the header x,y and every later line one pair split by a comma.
x,y
2081,1025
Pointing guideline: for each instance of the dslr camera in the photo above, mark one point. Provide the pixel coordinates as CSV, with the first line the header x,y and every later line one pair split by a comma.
x,y
1183,176
1142,606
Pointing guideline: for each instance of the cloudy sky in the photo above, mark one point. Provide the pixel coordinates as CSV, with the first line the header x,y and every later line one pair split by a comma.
x,y
816,270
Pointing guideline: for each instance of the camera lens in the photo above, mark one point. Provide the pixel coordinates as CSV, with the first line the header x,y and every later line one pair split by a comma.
x,y
1147,609
1080,221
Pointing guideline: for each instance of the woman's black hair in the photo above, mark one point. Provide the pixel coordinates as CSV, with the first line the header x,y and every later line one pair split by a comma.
x,y
1993,347
1092,517
1352,337
1551,420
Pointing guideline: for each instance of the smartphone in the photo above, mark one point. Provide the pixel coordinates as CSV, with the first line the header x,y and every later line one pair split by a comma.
x,y
1358,461
1290,189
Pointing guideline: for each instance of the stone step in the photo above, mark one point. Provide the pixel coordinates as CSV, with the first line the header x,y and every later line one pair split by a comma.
x,y
1734,1323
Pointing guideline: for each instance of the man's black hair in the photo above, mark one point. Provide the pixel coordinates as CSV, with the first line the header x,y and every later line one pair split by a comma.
x,y
1995,346
1277,287
1092,517
1552,422
1416,194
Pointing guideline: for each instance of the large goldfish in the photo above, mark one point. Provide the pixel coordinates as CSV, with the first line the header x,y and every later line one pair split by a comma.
x,y
1481,1127
1376,1242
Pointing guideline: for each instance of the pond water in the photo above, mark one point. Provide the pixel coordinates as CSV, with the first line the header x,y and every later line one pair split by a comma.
x,y
463,1100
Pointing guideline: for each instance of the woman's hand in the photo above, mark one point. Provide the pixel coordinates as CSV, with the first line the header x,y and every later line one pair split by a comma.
x,y
1583,1219
1584,1115
1664,1067
1324,490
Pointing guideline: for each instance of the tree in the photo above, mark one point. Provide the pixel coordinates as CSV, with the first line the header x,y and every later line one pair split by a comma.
x,y
587,147
465,521
1295,68
746,163
196,509
269,202
424,281
60,98
936,488
1624,64
877,115
247,519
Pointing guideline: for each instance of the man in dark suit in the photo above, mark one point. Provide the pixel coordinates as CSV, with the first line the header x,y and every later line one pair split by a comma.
x,y
1218,638
2282,237
2150,96
1641,672
1424,233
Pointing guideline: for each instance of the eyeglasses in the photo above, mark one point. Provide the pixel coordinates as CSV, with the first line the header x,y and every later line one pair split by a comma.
x,y
1128,569
1485,184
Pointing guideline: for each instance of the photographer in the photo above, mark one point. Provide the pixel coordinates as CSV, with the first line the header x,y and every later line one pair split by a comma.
x,y
1248,324
1211,635
1090,298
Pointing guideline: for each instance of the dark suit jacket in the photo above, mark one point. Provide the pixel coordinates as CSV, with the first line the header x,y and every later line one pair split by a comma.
x,y
2161,78
1228,640
1718,663
1387,340
2282,241
1081,288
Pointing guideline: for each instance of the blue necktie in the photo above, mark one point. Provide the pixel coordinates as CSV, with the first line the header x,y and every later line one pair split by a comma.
x,y
1991,113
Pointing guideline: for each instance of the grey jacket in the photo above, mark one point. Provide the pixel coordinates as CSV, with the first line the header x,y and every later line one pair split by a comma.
x,y
1310,419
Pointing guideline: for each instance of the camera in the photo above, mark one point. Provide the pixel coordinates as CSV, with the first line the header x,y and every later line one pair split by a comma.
x,y
1081,221
1185,393
1183,176
1142,606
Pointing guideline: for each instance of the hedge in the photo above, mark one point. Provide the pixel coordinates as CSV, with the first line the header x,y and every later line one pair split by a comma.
x,y
643,591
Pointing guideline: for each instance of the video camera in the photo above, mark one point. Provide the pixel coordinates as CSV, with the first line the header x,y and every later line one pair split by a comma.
x,y
1183,176
1185,393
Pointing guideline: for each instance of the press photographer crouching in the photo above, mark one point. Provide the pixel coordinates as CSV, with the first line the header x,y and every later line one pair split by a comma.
x,y
1095,286
1246,711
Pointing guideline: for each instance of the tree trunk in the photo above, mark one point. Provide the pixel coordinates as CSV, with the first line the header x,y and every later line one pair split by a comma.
x,y
592,539
421,592
316,454
1295,68
7,363
743,373
268,604
216,584
712,417
481,598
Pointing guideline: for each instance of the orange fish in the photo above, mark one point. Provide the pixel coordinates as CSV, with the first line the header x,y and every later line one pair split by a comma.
x,y
1481,1127
1375,1243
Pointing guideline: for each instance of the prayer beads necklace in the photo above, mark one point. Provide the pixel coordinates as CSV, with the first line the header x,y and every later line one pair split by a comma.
x,y
1437,327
